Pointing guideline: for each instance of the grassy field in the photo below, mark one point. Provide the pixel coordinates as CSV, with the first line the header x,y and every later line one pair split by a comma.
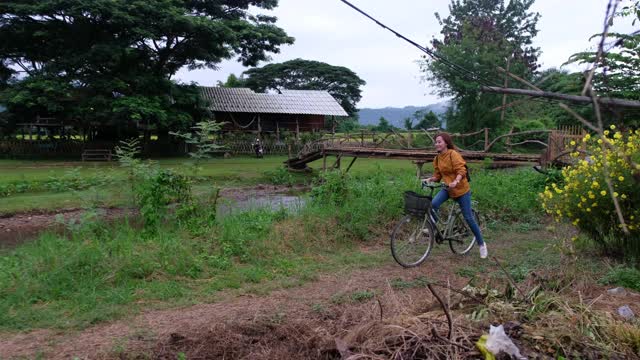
x,y
51,182
97,272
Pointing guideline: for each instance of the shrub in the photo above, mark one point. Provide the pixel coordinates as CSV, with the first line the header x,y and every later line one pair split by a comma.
x,y
280,176
584,197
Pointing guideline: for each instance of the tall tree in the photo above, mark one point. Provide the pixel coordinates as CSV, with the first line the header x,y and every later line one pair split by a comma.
x,y
383,125
478,36
426,120
105,60
232,82
342,83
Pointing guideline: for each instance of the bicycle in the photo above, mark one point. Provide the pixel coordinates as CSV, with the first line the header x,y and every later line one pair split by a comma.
x,y
414,236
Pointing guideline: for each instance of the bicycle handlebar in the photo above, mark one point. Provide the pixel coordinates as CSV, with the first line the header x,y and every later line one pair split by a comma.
x,y
432,185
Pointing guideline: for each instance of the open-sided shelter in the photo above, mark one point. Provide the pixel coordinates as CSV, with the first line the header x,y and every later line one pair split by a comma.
x,y
295,110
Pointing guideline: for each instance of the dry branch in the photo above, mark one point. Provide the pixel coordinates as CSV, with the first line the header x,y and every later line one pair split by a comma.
x,y
558,96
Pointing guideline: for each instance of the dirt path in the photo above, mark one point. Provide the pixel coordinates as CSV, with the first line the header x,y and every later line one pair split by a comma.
x,y
325,305
309,321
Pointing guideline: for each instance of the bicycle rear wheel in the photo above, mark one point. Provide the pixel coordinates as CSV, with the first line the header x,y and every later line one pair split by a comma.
x,y
461,238
411,241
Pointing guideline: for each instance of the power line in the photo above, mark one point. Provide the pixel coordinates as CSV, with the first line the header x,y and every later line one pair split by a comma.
x,y
457,68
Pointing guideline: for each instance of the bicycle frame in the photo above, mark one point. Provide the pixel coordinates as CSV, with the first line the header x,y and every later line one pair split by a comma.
x,y
441,235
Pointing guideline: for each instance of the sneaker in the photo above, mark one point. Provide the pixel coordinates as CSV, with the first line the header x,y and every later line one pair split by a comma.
x,y
483,251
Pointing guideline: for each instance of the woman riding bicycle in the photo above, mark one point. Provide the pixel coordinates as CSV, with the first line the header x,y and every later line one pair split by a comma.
x,y
449,166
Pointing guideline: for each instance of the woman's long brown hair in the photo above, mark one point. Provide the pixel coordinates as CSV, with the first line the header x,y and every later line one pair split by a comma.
x,y
447,139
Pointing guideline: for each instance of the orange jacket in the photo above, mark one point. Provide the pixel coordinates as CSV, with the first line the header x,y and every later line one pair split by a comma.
x,y
447,165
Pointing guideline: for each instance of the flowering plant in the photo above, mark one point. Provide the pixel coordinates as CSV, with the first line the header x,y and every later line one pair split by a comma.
x,y
584,197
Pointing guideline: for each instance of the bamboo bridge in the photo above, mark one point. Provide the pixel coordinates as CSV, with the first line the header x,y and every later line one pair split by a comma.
x,y
398,146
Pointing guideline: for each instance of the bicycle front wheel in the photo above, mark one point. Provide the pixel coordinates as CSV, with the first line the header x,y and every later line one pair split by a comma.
x,y
461,238
411,241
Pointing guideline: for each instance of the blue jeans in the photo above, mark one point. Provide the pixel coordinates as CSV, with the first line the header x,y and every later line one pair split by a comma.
x,y
465,205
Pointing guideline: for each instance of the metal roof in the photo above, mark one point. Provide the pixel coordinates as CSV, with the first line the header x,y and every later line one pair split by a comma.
x,y
243,100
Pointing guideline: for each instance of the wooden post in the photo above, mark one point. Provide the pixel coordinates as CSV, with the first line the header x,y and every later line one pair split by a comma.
x,y
362,138
486,139
351,164
259,127
504,96
419,165
333,125
508,142
324,159
297,129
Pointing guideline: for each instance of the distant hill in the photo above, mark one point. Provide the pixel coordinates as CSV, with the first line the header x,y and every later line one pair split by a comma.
x,y
396,116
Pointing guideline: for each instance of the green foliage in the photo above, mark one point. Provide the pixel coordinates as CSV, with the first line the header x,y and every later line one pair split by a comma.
x,y
342,83
508,195
233,82
584,197
202,139
280,176
426,120
383,125
112,61
70,180
155,189
348,125
360,203
361,296
623,276
473,39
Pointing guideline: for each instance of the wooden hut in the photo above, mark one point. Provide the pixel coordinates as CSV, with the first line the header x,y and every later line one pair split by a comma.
x,y
294,110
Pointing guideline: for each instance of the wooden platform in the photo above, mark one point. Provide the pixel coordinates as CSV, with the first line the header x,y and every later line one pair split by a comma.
x,y
96,155
400,154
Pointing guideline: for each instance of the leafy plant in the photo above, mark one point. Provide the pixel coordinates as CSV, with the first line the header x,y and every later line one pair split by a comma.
x,y
202,139
584,198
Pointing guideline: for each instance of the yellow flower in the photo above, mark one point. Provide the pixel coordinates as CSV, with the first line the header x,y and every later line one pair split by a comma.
x,y
615,194
612,127
573,143
623,196
603,193
606,132
621,178
588,209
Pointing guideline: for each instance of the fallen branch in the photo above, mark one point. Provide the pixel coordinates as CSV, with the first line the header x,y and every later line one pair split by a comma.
x,y
511,280
445,308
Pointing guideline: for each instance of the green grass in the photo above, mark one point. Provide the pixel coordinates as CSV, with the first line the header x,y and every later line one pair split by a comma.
x,y
238,171
623,276
103,272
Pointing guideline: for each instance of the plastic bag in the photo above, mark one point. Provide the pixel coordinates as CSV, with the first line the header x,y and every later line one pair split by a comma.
x,y
496,342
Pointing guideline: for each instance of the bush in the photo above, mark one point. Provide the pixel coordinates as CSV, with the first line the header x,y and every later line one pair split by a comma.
x,y
508,195
280,176
360,204
584,197
155,190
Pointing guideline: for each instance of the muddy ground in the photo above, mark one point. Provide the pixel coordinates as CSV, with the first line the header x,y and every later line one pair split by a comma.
x,y
20,227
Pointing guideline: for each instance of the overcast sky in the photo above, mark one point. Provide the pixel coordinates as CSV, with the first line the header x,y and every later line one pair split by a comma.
x,y
331,32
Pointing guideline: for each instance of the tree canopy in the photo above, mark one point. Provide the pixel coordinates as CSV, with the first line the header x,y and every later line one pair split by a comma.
x,y
479,36
112,60
342,83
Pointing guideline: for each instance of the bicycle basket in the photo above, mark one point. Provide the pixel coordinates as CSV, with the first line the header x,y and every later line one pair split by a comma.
x,y
416,204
